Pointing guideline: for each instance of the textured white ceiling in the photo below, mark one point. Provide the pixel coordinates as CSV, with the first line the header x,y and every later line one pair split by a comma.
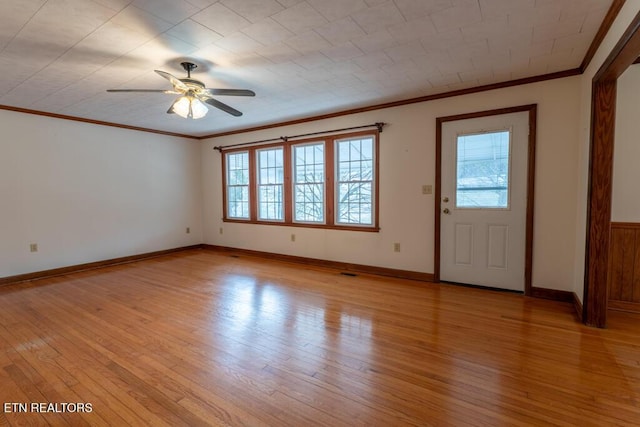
x,y
302,58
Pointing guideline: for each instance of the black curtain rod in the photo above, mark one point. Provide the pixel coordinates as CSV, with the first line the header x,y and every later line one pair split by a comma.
x,y
221,148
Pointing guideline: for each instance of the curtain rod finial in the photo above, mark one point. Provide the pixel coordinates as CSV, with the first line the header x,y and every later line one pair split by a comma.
x,y
380,125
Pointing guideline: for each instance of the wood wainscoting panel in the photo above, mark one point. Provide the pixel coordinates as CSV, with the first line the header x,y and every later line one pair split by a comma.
x,y
624,266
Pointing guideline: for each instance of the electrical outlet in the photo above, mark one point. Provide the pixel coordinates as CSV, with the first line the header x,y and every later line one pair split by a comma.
x,y
396,247
293,237
427,189
33,247
188,230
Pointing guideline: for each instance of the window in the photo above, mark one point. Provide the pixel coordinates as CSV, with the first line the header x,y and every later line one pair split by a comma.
x,y
330,183
237,185
270,184
482,175
355,181
308,182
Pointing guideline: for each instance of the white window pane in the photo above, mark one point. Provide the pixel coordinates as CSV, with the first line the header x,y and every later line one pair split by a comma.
x,y
238,202
482,175
271,202
367,149
309,202
355,204
318,173
237,168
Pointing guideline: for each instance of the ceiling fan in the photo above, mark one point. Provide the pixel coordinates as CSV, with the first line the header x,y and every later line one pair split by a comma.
x,y
193,95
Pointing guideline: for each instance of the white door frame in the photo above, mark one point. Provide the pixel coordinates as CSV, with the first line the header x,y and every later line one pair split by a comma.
x,y
531,161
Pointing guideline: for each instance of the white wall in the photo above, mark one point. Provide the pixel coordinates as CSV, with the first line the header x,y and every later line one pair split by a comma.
x,y
407,151
86,193
624,18
625,205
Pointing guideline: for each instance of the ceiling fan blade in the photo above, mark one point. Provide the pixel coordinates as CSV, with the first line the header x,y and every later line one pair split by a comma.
x,y
222,106
231,92
177,84
142,90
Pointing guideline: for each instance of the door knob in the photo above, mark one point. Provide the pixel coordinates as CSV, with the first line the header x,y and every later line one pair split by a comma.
x,y
446,211
446,199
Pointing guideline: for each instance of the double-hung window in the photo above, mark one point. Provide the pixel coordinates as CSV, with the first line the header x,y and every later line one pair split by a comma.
x,y
237,190
330,182
355,180
270,184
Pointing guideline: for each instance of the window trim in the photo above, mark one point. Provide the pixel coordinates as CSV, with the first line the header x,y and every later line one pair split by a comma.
x,y
374,182
292,147
330,204
225,194
256,153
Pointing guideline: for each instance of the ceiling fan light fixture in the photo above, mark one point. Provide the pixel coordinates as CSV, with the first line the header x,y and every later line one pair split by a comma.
x,y
190,107
194,97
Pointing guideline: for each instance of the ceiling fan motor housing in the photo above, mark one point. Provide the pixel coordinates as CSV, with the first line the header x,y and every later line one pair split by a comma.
x,y
192,82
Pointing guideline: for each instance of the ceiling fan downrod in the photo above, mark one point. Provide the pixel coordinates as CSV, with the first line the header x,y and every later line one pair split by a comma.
x,y
188,67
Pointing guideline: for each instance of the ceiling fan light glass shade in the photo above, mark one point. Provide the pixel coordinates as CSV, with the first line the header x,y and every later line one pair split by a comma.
x,y
190,107
198,109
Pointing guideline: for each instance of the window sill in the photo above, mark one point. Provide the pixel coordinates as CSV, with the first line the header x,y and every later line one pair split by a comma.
x,y
368,229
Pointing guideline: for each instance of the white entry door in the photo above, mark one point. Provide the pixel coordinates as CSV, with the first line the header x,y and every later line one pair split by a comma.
x,y
484,199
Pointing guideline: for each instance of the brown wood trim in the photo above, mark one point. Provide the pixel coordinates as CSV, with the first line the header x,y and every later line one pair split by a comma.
x,y
623,54
603,100
253,185
531,183
93,122
637,61
532,110
438,198
225,210
460,92
577,306
330,186
287,185
376,183
632,225
631,307
608,20
10,280
599,214
552,294
305,225
450,94
335,265
494,112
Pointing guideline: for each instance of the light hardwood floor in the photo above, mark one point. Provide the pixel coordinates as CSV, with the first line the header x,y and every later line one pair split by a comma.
x,y
205,338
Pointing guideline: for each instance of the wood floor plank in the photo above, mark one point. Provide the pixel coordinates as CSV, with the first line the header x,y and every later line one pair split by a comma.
x,y
206,338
